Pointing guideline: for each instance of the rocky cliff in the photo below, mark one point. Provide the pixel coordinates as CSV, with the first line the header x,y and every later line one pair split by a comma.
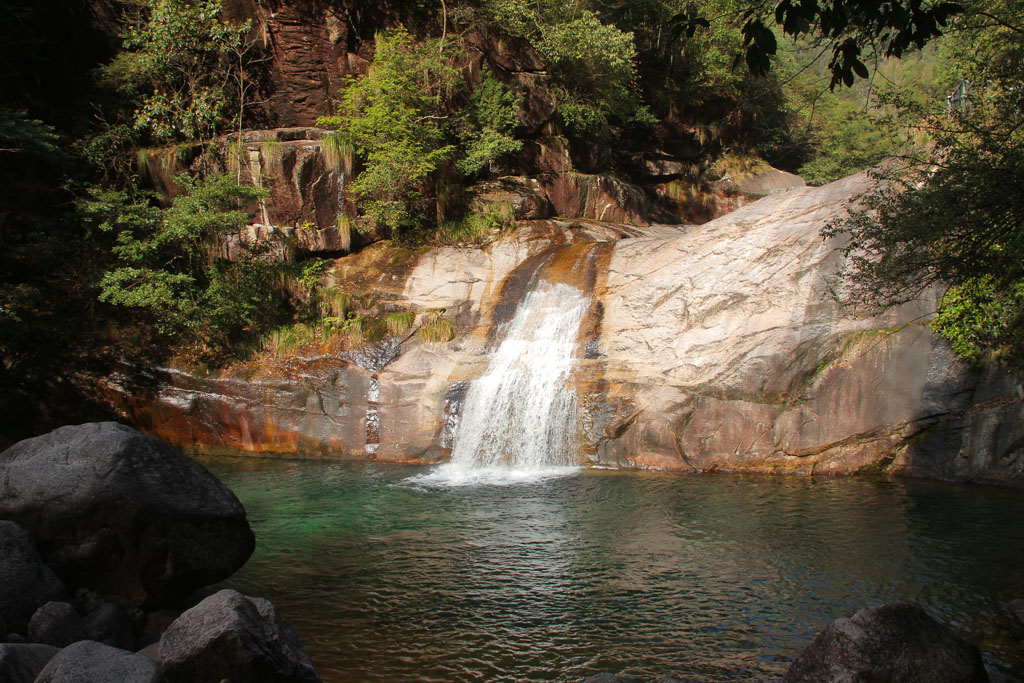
x,y
729,346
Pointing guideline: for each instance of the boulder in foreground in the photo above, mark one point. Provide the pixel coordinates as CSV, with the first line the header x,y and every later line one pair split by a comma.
x,y
57,624
230,635
21,663
90,662
124,513
27,582
894,642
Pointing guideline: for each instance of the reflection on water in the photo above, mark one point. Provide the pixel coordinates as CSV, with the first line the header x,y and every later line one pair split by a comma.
x,y
387,575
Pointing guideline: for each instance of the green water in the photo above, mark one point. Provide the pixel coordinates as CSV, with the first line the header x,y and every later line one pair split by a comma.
x,y
714,577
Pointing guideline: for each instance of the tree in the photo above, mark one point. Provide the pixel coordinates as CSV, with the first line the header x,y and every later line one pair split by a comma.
x,y
888,27
953,214
169,269
408,116
392,118
181,65
591,62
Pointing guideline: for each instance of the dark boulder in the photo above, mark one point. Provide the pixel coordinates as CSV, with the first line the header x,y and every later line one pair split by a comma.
x,y
27,582
232,636
90,662
110,624
57,624
22,663
894,642
155,624
124,513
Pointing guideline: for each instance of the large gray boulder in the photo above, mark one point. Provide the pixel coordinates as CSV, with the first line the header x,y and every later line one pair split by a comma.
x,y
21,663
57,624
230,635
894,642
26,582
90,662
124,513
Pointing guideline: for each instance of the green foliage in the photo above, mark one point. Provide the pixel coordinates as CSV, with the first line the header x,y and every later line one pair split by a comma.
x,y
890,28
954,214
849,139
592,66
591,62
391,117
20,134
982,315
169,269
399,323
437,330
475,227
312,271
286,340
486,126
178,62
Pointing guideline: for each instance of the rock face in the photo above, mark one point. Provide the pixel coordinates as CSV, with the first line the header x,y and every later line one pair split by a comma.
x,y
730,346
89,662
229,635
124,513
27,583
742,351
895,642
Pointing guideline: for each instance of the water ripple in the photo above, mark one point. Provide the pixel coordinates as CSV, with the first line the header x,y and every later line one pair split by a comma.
x,y
401,574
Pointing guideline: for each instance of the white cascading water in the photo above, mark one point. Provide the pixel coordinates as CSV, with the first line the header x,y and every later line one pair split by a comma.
x,y
519,419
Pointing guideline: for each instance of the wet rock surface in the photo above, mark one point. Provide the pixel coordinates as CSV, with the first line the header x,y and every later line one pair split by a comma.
x,y
124,513
895,642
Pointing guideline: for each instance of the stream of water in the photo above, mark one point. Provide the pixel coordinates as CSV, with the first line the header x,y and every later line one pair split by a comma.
x,y
713,577
519,419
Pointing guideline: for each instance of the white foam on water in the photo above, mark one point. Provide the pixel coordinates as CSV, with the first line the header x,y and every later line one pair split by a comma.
x,y
451,475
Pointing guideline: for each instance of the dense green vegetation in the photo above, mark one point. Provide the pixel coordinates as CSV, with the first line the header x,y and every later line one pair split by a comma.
x,y
952,212
94,261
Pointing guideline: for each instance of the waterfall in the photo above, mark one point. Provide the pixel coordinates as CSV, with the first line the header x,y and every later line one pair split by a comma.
x,y
519,419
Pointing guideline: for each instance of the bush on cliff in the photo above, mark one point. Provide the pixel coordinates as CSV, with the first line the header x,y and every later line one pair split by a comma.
x,y
183,67
169,270
408,117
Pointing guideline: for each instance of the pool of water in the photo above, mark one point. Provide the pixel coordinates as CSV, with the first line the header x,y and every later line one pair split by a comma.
x,y
389,573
